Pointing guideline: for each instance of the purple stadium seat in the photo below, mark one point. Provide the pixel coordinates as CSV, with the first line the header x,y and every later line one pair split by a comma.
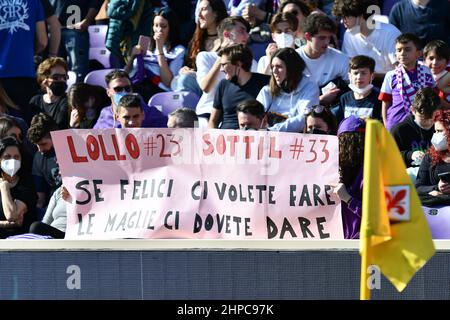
x,y
102,55
97,36
97,77
167,102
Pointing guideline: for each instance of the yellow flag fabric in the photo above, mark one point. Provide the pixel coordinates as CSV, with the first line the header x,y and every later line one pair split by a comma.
x,y
398,248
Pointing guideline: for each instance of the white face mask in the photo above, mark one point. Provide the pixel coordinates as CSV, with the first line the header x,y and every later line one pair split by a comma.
x,y
10,166
439,141
284,40
357,90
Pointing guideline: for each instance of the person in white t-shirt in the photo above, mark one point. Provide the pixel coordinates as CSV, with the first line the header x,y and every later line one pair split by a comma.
x,y
366,37
232,30
327,67
283,27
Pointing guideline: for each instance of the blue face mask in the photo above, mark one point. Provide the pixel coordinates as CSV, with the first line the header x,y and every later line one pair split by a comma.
x,y
117,96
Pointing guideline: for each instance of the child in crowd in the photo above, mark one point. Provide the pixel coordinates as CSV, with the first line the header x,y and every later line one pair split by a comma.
x,y
413,135
400,85
362,101
437,57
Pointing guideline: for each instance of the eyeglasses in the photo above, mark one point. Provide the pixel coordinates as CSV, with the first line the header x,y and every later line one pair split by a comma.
x,y
315,109
223,65
122,89
58,77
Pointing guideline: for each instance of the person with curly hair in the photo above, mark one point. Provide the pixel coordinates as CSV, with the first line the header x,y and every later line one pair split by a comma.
x,y
430,179
351,135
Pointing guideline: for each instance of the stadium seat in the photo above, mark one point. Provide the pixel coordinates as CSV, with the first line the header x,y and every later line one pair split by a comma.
x,y
102,55
167,102
72,79
97,77
97,36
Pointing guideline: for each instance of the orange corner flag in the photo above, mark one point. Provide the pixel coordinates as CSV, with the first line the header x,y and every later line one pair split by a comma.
x,y
394,234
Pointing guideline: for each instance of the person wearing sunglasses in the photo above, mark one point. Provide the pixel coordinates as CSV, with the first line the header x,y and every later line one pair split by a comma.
x,y
119,84
52,78
320,120
289,92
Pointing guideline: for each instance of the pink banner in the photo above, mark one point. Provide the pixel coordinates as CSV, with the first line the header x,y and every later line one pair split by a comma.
x,y
186,183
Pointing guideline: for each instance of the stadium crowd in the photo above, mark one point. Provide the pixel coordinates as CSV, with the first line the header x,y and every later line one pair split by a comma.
x,y
305,66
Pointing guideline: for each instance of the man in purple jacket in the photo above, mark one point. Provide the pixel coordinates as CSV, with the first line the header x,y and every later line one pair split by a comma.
x,y
118,81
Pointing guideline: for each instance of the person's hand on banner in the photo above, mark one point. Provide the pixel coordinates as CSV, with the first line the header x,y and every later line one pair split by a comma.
x,y
65,194
341,191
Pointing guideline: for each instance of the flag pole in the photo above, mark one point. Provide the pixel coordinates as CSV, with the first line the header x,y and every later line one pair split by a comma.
x,y
364,291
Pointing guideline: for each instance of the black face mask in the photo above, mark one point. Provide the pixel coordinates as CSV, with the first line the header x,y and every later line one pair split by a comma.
x,y
316,131
58,88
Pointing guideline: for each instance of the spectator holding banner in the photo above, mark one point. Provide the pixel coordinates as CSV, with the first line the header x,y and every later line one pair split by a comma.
x,y
351,162
320,120
17,195
55,219
251,115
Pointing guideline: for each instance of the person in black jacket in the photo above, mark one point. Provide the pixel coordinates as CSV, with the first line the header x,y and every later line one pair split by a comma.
x,y
413,135
433,177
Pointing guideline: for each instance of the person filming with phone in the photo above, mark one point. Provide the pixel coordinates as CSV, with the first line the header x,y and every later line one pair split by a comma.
x,y
433,178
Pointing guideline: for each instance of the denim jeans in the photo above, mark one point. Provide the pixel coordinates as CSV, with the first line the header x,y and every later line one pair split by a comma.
x,y
75,48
